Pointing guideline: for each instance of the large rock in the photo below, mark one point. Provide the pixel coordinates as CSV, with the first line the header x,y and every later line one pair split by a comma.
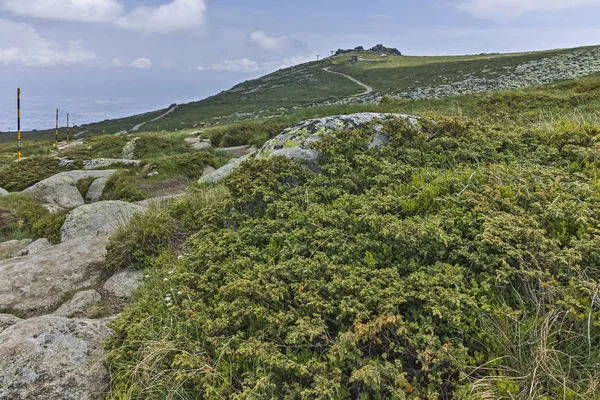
x,y
223,171
7,320
60,192
3,192
79,305
239,151
198,143
109,162
51,357
294,142
96,190
36,284
98,219
123,283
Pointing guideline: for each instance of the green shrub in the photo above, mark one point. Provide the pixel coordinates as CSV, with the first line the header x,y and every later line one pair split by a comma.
x,y
370,278
83,185
106,146
190,165
122,186
151,145
23,218
20,175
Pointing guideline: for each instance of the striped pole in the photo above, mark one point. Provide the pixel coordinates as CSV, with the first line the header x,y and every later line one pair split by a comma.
x,y
18,123
56,138
67,127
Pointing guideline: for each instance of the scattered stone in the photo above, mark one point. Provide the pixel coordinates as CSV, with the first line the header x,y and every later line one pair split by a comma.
x,y
199,144
34,248
51,357
129,149
123,283
121,133
109,162
96,190
379,140
7,320
60,192
97,219
152,174
3,192
36,284
79,305
196,133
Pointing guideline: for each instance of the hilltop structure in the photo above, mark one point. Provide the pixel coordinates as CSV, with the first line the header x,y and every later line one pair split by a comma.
x,y
379,49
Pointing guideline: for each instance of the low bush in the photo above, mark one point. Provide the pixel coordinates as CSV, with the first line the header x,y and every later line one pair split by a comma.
x,y
122,186
23,218
372,279
20,175
254,133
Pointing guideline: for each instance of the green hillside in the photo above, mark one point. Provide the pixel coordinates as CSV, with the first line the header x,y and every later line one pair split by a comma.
x,y
308,85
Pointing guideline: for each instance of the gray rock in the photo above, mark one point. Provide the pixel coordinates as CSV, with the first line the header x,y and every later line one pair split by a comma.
x,y
109,162
208,170
64,162
379,140
7,320
36,284
3,192
239,151
96,190
13,247
129,149
123,283
97,219
79,305
298,153
199,144
51,357
121,133
152,174
223,171
59,192
301,135
35,247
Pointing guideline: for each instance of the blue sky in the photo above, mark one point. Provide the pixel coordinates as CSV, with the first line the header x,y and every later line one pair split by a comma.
x,y
107,58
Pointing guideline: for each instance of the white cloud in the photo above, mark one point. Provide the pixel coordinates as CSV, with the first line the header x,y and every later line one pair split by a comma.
x,y
200,68
287,62
504,9
141,63
175,16
242,65
116,62
273,42
20,44
179,15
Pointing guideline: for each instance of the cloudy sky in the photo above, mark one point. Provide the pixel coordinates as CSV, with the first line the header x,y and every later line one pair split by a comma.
x,y
108,58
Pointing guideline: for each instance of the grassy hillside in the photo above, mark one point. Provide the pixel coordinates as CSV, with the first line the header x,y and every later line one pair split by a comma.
x,y
308,85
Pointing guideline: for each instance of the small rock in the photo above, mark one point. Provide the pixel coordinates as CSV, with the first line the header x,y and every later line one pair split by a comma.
x,y
123,283
208,170
223,171
129,149
51,357
199,144
239,151
3,192
79,305
96,190
34,248
121,133
152,174
97,219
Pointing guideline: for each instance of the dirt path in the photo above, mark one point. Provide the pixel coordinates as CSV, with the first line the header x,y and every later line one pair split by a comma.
x,y
138,126
368,89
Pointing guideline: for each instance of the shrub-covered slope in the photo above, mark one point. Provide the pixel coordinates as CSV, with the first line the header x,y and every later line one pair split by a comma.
x,y
460,261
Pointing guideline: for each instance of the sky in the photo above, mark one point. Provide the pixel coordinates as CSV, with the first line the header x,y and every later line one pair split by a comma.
x,y
101,59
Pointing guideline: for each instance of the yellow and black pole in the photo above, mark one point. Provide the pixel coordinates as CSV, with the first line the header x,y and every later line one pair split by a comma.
x,y
56,138
67,127
18,123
